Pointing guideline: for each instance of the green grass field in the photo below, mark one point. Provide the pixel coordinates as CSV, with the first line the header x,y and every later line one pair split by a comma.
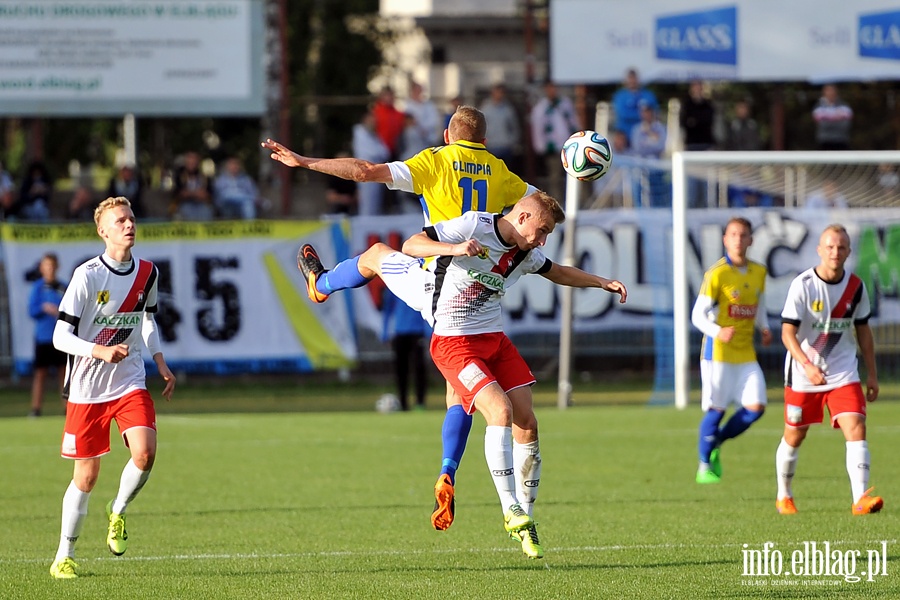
x,y
299,502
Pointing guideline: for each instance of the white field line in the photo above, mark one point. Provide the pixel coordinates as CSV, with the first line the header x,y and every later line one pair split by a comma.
x,y
356,554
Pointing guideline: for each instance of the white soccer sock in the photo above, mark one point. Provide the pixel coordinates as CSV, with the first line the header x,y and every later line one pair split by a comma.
x,y
527,463
499,456
131,482
858,468
785,465
74,510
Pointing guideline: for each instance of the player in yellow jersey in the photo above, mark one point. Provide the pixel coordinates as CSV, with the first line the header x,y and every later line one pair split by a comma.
x,y
449,180
728,307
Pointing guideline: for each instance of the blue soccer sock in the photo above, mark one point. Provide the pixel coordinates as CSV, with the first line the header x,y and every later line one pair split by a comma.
x,y
454,435
709,434
739,422
343,276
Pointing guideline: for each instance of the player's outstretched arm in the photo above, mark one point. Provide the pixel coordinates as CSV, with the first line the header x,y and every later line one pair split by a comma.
x,y
354,169
575,277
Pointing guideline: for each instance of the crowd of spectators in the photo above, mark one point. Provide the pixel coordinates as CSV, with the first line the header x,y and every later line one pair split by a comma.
x,y
197,192
642,133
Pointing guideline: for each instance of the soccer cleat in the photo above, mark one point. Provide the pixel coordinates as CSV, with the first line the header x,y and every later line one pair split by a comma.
x,y
707,476
531,546
786,506
444,503
715,462
64,568
116,536
516,519
868,505
309,264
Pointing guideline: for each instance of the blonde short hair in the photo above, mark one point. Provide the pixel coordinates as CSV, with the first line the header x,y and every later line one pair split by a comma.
x,y
468,124
548,204
110,202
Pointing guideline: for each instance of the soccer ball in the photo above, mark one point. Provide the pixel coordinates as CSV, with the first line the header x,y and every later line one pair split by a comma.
x,y
586,155
388,403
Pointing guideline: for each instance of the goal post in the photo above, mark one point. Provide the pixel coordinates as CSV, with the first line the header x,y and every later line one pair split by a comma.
x,y
776,186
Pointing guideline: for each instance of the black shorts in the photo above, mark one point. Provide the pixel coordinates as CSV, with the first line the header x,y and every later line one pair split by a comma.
x,y
46,355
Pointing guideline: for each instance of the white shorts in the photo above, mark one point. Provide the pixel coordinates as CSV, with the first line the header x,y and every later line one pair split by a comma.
x,y
725,383
406,278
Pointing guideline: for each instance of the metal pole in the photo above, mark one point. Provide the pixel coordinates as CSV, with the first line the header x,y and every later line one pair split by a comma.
x,y
679,285
573,194
129,139
284,113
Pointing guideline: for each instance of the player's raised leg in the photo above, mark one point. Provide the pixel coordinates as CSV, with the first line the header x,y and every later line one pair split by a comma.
x,y
454,435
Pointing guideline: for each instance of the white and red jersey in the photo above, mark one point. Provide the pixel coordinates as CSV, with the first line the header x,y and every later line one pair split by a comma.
x,y
824,314
108,307
467,289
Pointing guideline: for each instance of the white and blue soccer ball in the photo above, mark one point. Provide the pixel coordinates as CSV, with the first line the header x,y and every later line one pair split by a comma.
x,y
387,403
586,155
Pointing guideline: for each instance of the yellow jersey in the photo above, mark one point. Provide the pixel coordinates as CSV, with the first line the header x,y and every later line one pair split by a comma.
x,y
462,176
736,294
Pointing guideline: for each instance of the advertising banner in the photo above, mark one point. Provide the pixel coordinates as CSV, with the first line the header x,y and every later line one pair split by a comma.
x,y
635,247
231,297
594,41
145,57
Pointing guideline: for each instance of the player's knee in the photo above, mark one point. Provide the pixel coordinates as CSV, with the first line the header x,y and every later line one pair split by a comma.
x,y
528,424
144,459
795,436
85,481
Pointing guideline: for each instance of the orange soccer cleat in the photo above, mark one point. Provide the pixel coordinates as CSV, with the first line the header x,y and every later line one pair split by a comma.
x,y
444,503
309,264
867,504
786,506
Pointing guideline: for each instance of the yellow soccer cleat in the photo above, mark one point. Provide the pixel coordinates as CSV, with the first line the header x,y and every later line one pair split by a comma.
x,y
116,536
516,519
531,546
64,568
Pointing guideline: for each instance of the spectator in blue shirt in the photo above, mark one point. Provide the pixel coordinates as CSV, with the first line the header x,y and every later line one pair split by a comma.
x,y
235,192
648,137
627,100
43,307
409,334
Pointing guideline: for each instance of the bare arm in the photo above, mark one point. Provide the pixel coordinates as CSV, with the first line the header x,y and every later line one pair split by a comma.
x,y
421,246
867,348
790,341
353,169
574,277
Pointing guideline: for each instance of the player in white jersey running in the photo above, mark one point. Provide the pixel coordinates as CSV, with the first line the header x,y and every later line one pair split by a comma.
x,y
105,317
480,256
821,368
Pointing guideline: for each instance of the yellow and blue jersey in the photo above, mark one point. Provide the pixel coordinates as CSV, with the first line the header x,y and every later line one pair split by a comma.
x,y
460,177
736,293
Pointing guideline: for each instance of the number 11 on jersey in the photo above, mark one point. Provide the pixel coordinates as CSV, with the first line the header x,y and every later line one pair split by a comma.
x,y
477,188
